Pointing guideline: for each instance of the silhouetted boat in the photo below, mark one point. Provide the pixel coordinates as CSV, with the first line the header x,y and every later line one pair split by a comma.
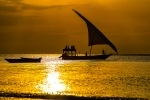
x,y
24,60
95,37
86,57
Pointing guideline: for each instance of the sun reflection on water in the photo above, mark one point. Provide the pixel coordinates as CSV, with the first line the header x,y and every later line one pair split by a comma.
x,y
52,83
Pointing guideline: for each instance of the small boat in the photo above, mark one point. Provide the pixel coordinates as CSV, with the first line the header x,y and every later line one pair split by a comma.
x,y
24,60
95,37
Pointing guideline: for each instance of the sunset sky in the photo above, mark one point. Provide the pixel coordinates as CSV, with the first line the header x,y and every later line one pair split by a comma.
x,y
47,26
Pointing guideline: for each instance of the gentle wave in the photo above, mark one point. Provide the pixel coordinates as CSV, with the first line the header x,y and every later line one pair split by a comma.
x,y
130,58
62,97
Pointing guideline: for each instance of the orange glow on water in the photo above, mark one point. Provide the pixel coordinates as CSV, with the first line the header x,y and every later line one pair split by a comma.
x,y
52,83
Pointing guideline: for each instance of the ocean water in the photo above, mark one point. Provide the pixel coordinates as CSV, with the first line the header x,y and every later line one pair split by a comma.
x,y
119,76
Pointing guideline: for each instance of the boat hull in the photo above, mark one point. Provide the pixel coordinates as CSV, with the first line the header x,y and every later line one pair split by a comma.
x,y
24,60
102,57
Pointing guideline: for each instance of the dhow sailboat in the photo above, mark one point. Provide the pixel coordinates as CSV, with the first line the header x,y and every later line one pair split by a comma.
x,y
95,37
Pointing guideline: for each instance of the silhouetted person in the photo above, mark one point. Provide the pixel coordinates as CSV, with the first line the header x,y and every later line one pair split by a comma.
x,y
86,54
66,47
65,53
103,52
73,47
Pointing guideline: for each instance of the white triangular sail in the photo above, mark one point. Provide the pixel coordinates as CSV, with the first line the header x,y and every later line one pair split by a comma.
x,y
95,35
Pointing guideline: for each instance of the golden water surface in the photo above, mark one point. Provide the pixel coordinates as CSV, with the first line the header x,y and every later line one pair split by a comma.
x,y
79,78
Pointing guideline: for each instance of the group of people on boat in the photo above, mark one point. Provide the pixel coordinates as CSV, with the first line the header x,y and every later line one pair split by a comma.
x,y
72,47
67,49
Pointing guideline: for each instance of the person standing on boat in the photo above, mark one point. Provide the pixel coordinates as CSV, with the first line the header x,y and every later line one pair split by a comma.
x,y
86,54
103,52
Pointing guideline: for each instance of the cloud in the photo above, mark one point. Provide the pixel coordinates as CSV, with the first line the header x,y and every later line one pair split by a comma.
x,y
14,11
18,5
8,8
35,7
10,5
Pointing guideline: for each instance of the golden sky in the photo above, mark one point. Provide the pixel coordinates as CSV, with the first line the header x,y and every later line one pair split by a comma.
x,y
46,26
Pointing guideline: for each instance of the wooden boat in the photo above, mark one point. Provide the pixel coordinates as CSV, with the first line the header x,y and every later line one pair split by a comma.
x,y
95,37
103,57
24,60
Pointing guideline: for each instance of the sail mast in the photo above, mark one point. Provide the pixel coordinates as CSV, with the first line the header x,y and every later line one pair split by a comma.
x,y
91,45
